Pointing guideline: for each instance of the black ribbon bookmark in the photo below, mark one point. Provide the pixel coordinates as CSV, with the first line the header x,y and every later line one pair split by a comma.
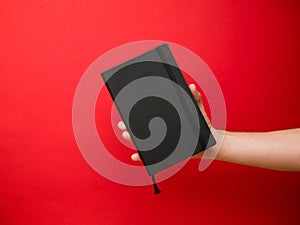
x,y
155,187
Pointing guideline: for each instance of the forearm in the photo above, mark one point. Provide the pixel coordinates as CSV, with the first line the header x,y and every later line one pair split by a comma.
x,y
278,150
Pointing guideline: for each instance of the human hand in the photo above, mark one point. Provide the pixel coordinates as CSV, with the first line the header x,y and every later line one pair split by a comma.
x,y
260,149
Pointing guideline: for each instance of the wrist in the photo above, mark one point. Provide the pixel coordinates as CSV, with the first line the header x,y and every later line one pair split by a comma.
x,y
223,142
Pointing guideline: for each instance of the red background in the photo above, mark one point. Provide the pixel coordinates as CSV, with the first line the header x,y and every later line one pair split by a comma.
x,y
45,47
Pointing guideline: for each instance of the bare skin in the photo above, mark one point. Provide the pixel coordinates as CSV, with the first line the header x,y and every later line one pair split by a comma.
x,y
276,150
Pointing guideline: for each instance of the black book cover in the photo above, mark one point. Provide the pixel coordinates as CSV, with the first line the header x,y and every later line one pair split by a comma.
x,y
140,104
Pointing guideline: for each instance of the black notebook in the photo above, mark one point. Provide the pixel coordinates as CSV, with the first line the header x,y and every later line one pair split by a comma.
x,y
158,109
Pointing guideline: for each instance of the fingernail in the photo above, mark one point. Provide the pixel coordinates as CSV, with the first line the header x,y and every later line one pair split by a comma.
x,y
135,157
125,135
192,86
121,125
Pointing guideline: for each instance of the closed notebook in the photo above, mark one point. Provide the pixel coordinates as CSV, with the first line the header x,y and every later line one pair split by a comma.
x,y
158,109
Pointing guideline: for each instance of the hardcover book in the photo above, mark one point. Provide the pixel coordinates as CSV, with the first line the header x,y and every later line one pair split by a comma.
x,y
158,109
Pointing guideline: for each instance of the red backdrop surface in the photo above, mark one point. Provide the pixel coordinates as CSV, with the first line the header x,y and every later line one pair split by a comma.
x,y
251,46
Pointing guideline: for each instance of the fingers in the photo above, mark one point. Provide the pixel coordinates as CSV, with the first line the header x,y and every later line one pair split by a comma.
x,y
198,99
126,136
135,157
121,125
195,92
197,96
